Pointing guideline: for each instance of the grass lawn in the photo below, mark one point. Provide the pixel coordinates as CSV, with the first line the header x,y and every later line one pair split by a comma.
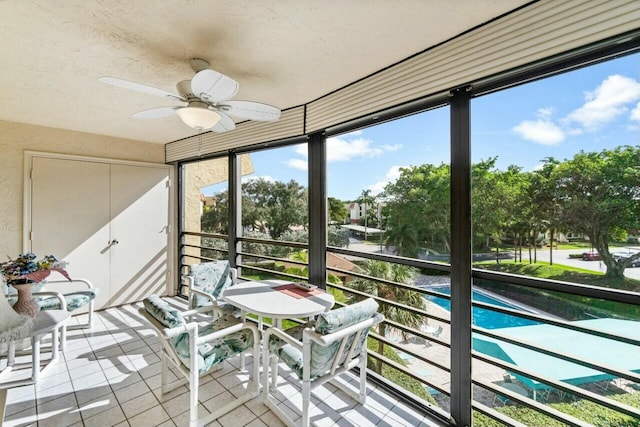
x,y
568,306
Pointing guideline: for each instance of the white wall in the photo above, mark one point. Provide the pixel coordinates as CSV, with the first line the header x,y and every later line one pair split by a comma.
x,y
15,138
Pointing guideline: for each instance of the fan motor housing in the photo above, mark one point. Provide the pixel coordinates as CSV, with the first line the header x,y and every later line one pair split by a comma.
x,y
184,89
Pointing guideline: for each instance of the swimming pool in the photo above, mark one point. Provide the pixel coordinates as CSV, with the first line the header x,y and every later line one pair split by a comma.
x,y
481,316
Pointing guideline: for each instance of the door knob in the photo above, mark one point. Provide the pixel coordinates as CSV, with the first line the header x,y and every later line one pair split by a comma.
x,y
113,242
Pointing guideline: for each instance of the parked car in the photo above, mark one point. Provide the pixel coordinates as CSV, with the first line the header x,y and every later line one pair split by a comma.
x,y
620,256
591,256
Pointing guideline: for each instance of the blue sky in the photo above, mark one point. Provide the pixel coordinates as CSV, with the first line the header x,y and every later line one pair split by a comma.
x,y
590,109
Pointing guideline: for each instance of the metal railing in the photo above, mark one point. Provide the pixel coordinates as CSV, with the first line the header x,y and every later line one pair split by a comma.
x,y
493,386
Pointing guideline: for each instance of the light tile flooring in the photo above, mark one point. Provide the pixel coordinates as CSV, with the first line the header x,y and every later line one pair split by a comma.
x,y
110,376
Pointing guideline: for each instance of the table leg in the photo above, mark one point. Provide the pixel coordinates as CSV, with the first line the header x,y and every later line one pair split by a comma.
x,y
55,353
35,358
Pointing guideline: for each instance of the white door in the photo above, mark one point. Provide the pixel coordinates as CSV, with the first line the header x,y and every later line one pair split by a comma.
x,y
70,218
139,224
110,221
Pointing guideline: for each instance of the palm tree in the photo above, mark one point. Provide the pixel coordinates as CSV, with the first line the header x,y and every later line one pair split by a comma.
x,y
402,236
365,198
397,273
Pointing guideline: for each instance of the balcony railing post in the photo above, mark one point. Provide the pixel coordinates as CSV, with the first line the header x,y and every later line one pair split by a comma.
x,y
460,257
235,209
317,209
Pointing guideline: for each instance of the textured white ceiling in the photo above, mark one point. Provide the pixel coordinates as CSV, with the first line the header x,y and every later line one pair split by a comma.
x,y
282,52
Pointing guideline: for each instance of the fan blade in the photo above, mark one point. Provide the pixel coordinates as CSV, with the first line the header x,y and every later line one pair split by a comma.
x,y
225,124
212,86
141,88
251,110
156,113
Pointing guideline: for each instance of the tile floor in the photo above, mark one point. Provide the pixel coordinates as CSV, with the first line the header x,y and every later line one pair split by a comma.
x,y
110,376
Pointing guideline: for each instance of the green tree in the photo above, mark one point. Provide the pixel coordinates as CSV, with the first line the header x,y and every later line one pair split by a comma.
x,y
215,216
396,273
418,202
402,235
546,199
275,206
337,210
488,207
600,193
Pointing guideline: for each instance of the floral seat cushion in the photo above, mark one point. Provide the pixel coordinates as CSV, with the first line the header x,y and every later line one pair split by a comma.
x,y
163,312
329,322
75,300
211,277
212,353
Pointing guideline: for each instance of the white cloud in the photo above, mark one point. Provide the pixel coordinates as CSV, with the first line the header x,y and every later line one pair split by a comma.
x,y
545,112
606,102
298,164
342,150
635,113
377,188
392,174
301,149
394,147
542,131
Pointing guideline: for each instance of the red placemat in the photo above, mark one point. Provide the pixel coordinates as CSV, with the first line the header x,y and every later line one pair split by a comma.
x,y
294,291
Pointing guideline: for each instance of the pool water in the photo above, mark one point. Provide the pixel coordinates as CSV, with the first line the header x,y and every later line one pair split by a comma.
x,y
481,316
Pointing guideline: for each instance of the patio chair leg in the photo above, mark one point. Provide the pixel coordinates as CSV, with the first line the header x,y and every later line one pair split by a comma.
x,y
90,315
306,400
265,373
363,379
193,398
164,368
274,373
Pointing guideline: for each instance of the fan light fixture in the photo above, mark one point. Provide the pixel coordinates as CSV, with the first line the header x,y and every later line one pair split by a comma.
x,y
199,117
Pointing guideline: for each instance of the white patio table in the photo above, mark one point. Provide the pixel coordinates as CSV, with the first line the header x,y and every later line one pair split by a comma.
x,y
277,299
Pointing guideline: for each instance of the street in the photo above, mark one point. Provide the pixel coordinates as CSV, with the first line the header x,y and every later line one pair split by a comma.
x,y
560,257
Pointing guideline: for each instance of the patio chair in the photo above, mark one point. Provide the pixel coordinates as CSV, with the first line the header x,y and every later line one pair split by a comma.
x,y
319,352
207,281
225,337
75,300
71,301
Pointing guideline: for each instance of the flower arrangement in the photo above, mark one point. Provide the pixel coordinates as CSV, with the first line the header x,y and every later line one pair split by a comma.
x,y
25,268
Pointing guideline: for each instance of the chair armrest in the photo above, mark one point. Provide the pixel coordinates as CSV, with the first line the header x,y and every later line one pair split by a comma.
x,y
63,302
210,297
282,335
192,328
234,276
199,310
78,280
221,333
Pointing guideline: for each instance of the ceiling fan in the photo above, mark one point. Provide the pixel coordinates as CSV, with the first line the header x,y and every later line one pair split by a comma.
x,y
207,96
